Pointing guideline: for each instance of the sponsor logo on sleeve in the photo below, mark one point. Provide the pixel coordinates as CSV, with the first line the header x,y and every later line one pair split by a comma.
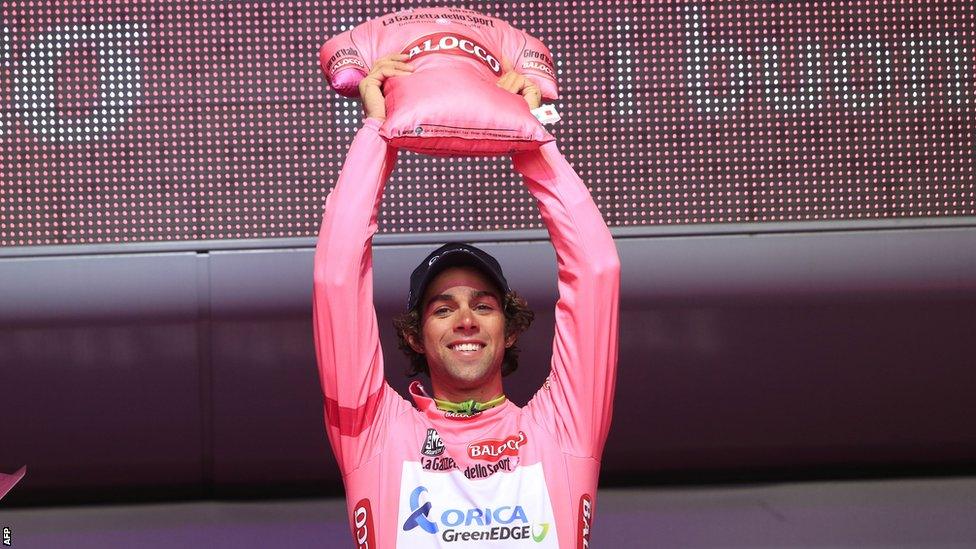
x,y
493,449
539,62
362,519
433,445
585,522
344,58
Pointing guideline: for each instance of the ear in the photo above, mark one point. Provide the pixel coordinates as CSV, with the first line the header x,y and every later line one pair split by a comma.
x,y
415,344
510,340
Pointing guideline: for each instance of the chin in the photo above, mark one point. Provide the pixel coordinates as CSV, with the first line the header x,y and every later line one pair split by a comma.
x,y
470,379
467,376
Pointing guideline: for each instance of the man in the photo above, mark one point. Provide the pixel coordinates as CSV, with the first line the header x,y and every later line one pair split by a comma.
x,y
466,466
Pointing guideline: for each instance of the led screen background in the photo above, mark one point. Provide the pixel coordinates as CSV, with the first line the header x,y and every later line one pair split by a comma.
x,y
175,121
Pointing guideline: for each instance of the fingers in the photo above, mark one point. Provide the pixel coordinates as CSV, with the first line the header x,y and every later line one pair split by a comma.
x,y
514,82
383,68
390,66
400,65
371,87
383,73
511,82
390,60
398,60
533,95
388,69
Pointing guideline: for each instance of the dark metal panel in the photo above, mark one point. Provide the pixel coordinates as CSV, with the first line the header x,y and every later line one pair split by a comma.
x,y
790,265
796,351
409,239
51,289
736,351
267,405
261,282
99,374
267,408
794,383
101,405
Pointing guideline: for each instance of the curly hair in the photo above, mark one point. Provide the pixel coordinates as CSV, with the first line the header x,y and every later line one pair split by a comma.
x,y
518,317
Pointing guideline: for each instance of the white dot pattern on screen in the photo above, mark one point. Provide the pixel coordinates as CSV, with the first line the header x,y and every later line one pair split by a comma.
x,y
165,120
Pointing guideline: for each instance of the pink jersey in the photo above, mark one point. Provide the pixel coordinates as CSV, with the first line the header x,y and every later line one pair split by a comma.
x,y
416,476
449,104
481,41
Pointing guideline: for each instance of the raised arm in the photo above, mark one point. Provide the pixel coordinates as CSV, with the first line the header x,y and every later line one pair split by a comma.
x,y
347,341
577,400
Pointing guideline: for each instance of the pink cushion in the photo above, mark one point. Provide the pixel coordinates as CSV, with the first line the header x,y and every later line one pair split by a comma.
x,y
450,105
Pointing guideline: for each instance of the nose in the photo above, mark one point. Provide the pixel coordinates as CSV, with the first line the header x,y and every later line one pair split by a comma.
x,y
466,322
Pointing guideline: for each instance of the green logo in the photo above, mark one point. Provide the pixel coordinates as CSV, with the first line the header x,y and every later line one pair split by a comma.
x,y
542,535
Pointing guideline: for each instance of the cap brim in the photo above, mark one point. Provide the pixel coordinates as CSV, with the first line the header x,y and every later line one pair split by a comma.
x,y
457,259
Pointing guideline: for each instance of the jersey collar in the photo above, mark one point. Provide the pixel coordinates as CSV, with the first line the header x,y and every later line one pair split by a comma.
x,y
428,405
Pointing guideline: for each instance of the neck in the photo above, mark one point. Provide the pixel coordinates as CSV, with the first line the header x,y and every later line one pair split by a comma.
x,y
483,393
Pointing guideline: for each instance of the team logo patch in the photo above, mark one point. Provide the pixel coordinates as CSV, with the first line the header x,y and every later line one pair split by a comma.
x,y
458,508
419,513
493,449
506,522
433,445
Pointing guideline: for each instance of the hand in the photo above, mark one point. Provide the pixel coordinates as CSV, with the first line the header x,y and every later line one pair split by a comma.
x,y
516,83
371,87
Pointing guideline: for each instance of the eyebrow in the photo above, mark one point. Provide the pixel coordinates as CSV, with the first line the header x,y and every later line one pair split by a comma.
x,y
474,295
442,297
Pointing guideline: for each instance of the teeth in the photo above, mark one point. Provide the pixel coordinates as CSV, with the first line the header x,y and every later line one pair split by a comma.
x,y
467,347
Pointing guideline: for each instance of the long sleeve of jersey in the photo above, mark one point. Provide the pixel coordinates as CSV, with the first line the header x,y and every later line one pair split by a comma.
x,y
577,400
346,334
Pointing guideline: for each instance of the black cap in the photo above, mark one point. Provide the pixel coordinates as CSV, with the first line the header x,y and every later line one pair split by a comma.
x,y
455,254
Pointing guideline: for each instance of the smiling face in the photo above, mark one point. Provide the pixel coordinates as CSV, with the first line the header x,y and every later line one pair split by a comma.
x,y
463,335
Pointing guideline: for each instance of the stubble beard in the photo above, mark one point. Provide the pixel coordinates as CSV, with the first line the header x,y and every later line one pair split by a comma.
x,y
467,375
